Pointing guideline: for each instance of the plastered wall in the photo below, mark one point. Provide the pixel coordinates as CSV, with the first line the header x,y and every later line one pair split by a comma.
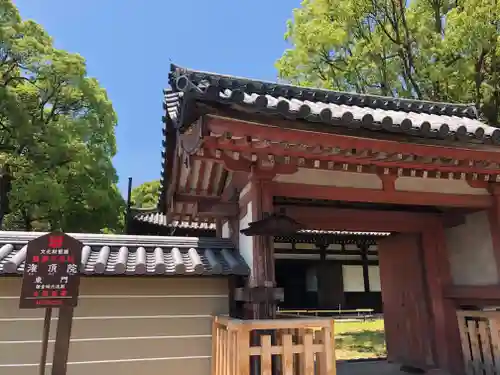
x,y
226,233
470,251
246,242
372,181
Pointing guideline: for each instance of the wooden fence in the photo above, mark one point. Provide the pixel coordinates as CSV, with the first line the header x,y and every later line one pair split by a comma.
x,y
479,334
269,347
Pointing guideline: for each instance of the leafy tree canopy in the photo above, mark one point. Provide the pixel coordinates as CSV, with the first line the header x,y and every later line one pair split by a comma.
x,y
146,195
57,134
440,50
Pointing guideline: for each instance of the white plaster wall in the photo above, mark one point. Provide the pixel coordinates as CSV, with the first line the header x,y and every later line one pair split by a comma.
x,y
353,278
372,181
246,242
437,185
226,233
332,178
374,278
470,251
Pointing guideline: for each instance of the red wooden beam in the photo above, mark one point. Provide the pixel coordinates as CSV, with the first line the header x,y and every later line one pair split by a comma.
x,y
274,133
237,183
244,165
379,196
240,146
193,198
328,218
473,293
223,209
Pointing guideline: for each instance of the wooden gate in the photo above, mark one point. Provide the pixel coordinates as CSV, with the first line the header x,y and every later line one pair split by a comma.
x,y
405,302
480,337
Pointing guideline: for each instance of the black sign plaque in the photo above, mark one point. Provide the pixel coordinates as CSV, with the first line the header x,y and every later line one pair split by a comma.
x,y
51,272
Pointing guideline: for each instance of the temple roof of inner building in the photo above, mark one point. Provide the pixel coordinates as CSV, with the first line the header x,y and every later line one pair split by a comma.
x,y
160,219
157,218
425,119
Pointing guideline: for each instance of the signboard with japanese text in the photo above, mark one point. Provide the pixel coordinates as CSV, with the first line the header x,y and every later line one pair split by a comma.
x,y
51,272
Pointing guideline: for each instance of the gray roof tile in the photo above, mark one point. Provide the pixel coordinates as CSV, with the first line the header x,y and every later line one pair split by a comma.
x,y
157,218
418,118
135,255
344,233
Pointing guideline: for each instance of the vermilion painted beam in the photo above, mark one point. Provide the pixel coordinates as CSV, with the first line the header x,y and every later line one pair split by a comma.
x,y
224,209
244,165
193,198
274,133
379,196
473,293
237,183
212,143
327,218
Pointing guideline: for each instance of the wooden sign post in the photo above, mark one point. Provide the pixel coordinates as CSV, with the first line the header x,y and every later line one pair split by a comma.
x,y
51,280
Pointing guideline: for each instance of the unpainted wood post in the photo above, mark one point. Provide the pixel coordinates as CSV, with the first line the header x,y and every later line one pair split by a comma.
x,y
243,345
331,331
494,324
287,355
266,366
464,339
326,359
484,337
215,343
308,353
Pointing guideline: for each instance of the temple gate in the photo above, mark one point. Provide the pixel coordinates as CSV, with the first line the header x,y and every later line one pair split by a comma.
x,y
240,151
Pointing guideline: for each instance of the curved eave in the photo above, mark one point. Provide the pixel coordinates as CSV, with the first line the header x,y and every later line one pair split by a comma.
x,y
418,119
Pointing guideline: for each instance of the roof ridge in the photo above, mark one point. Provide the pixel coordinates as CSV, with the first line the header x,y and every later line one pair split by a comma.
x,y
176,71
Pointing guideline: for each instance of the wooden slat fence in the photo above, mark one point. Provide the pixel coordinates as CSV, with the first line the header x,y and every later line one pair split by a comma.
x,y
480,338
273,347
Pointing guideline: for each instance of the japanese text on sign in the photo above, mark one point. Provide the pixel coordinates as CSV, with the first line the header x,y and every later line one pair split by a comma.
x,y
51,277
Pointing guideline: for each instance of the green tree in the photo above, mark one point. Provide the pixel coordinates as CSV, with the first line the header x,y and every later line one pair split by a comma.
x,y
56,134
440,50
146,195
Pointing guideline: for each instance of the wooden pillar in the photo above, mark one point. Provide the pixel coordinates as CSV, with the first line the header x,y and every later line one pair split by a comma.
x,y
218,228
364,258
322,275
262,274
494,219
448,353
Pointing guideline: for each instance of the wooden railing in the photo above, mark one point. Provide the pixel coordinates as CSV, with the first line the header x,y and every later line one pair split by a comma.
x,y
270,347
480,337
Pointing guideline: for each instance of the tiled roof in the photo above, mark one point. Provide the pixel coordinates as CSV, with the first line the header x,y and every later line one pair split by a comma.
x,y
344,233
135,255
418,118
160,219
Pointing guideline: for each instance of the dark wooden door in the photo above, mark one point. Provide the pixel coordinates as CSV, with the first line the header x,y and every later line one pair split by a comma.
x,y
405,301
330,285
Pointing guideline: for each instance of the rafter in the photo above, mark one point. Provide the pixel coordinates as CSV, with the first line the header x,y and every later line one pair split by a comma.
x,y
242,129
357,160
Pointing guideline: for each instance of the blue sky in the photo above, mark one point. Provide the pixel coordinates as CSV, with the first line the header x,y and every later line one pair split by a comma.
x,y
128,46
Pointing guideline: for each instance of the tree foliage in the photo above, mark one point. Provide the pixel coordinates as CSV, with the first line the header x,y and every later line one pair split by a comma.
x,y
440,50
146,195
56,134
